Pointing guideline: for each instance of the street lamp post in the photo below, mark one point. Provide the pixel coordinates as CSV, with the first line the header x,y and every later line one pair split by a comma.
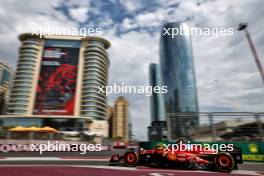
x,y
243,26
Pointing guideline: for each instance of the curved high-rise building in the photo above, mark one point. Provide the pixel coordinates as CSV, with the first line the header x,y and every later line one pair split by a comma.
x,y
59,76
95,74
177,70
26,73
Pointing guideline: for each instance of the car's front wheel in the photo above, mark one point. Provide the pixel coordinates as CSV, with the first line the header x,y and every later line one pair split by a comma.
x,y
130,159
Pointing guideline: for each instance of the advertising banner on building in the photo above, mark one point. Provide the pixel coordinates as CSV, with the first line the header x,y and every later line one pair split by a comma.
x,y
57,80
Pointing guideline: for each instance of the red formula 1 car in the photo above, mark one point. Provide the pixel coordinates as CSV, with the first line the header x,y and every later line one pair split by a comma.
x,y
162,156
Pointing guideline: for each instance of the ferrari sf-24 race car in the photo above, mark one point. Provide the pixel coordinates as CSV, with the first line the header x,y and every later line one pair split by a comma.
x,y
162,157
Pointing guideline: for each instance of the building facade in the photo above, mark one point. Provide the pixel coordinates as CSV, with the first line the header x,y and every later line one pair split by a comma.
x,y
158,129
120,121
177,70
58,77
6,81
110,116
156,99
226,128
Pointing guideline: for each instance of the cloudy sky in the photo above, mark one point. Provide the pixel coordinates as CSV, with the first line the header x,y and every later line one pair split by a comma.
x,y
227,78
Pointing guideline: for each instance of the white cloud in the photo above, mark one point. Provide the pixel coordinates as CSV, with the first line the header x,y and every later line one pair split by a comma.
x,y
23,18
79,14
226,73
149,19
128,24
78,3
131,6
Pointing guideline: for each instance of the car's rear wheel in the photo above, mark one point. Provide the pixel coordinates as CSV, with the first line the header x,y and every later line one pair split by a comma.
x,y
224,162
130,159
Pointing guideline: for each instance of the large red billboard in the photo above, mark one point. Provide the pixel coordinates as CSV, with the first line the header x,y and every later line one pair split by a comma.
x,y
57,81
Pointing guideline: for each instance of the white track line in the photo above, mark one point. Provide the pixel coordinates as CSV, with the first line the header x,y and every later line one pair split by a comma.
x,y
50,159
30,159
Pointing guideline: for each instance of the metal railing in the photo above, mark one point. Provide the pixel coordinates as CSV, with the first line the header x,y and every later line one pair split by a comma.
x,y
216,126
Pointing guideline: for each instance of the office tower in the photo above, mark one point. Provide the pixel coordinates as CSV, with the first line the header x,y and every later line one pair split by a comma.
x,y
6,80
177,70
157,130
130,131
58,77
120,119
156,99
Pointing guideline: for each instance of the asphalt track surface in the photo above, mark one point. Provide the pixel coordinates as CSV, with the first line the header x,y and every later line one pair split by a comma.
x,y
103,171
91,155
96,164
99,167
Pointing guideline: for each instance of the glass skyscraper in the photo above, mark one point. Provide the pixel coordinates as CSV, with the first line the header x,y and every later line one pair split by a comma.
x,y
157,130
6,81
177,70
156,99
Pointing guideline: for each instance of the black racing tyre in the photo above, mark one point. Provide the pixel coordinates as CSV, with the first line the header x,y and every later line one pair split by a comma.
x,y
130,159
236,167
224,162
